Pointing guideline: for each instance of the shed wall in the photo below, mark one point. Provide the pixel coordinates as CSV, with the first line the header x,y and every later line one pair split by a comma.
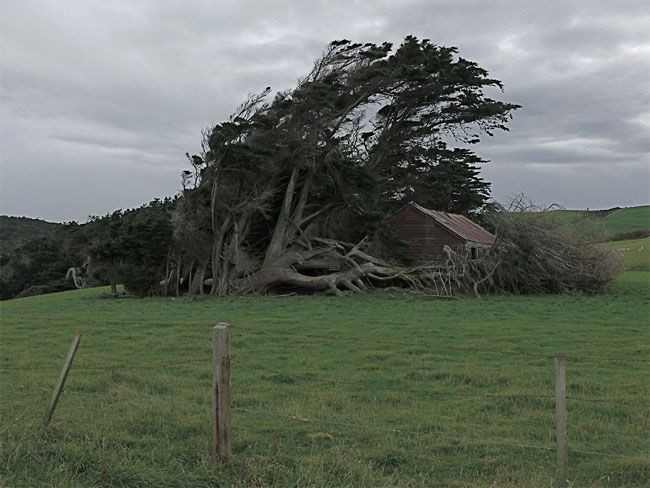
x,y
425,238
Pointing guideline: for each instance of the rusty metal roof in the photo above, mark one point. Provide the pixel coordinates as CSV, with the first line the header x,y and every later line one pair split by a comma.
x,y
459,225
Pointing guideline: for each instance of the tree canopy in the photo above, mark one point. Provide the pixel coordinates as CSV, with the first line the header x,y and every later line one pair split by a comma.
x,y
289,183
292,191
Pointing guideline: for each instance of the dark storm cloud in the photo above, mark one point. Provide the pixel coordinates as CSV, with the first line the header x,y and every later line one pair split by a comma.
x,y
100,100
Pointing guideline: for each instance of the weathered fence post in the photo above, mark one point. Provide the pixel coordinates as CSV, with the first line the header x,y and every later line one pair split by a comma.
x,y
62,377
221,428
561,474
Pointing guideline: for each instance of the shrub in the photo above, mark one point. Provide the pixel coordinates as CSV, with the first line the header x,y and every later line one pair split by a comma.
x,y
539,252
139,280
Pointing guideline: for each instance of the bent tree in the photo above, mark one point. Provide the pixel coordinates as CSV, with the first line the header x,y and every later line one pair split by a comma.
x,y
284,193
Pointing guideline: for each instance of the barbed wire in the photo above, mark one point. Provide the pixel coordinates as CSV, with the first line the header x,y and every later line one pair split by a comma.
x,y
118,398
160,365
448,393
508,442
608,454
355,339
421,433
617,401
107,322
415,390
207,402
170,364
603,430
175,402
439,346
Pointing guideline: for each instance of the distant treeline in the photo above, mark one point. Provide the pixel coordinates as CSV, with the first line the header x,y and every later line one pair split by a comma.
x,y
15,231
127,245
140,248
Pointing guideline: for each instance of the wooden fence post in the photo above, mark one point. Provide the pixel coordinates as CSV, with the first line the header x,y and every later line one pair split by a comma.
x,y
221,428
62,377
561,474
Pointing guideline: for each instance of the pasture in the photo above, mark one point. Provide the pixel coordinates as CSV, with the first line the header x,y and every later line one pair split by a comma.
x,y
636,253
621,222
370,390
629,219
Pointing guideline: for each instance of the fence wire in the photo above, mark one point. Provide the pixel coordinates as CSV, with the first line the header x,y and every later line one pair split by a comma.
x,y
175,402
268,331
173,364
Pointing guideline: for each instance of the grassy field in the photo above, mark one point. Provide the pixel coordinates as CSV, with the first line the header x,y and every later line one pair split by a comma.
x,y
629,219
635,251
369,390
617,222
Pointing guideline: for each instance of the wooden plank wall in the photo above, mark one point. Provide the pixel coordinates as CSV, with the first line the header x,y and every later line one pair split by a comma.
x,y
426,238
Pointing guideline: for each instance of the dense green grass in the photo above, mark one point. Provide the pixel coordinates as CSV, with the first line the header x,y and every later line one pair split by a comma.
x,y
369,390
635,251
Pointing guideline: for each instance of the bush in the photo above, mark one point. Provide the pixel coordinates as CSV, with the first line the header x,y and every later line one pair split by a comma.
x,y
539,252
139,280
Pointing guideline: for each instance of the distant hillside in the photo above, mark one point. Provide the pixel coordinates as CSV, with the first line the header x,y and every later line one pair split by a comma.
x,y
624,223
629,219
636,253
15,231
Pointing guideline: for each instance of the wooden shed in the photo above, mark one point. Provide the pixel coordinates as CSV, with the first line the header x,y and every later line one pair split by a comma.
x,y
425,233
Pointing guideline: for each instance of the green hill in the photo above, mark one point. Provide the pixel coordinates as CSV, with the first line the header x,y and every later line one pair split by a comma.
x,y
635,251
629,219
15,231
624,223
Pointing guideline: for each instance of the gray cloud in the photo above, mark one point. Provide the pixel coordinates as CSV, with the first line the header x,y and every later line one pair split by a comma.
x,y
100,100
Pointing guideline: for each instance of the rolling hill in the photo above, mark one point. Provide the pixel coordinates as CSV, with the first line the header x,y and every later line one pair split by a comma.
x,y
624,223
635,251
15,231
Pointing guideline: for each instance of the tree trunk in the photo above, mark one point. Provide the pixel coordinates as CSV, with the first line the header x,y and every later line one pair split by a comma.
x,y
178,277
276,246
167,273
189,277
217,248
170,281
202,279
196,284
330,282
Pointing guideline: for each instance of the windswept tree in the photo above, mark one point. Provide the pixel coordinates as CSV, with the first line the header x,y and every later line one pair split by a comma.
x,y
293,185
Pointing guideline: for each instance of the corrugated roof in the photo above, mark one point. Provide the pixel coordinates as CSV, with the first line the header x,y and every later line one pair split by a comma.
x,y
459,225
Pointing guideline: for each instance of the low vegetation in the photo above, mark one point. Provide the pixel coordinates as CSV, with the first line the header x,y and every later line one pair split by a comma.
x,y
378,389
537,252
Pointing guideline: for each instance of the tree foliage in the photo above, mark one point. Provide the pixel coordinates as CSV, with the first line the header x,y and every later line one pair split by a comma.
x,y
38,265
290,190
130,247
287,185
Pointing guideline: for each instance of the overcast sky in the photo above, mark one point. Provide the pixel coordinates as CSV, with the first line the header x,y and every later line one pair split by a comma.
x,y
101,99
